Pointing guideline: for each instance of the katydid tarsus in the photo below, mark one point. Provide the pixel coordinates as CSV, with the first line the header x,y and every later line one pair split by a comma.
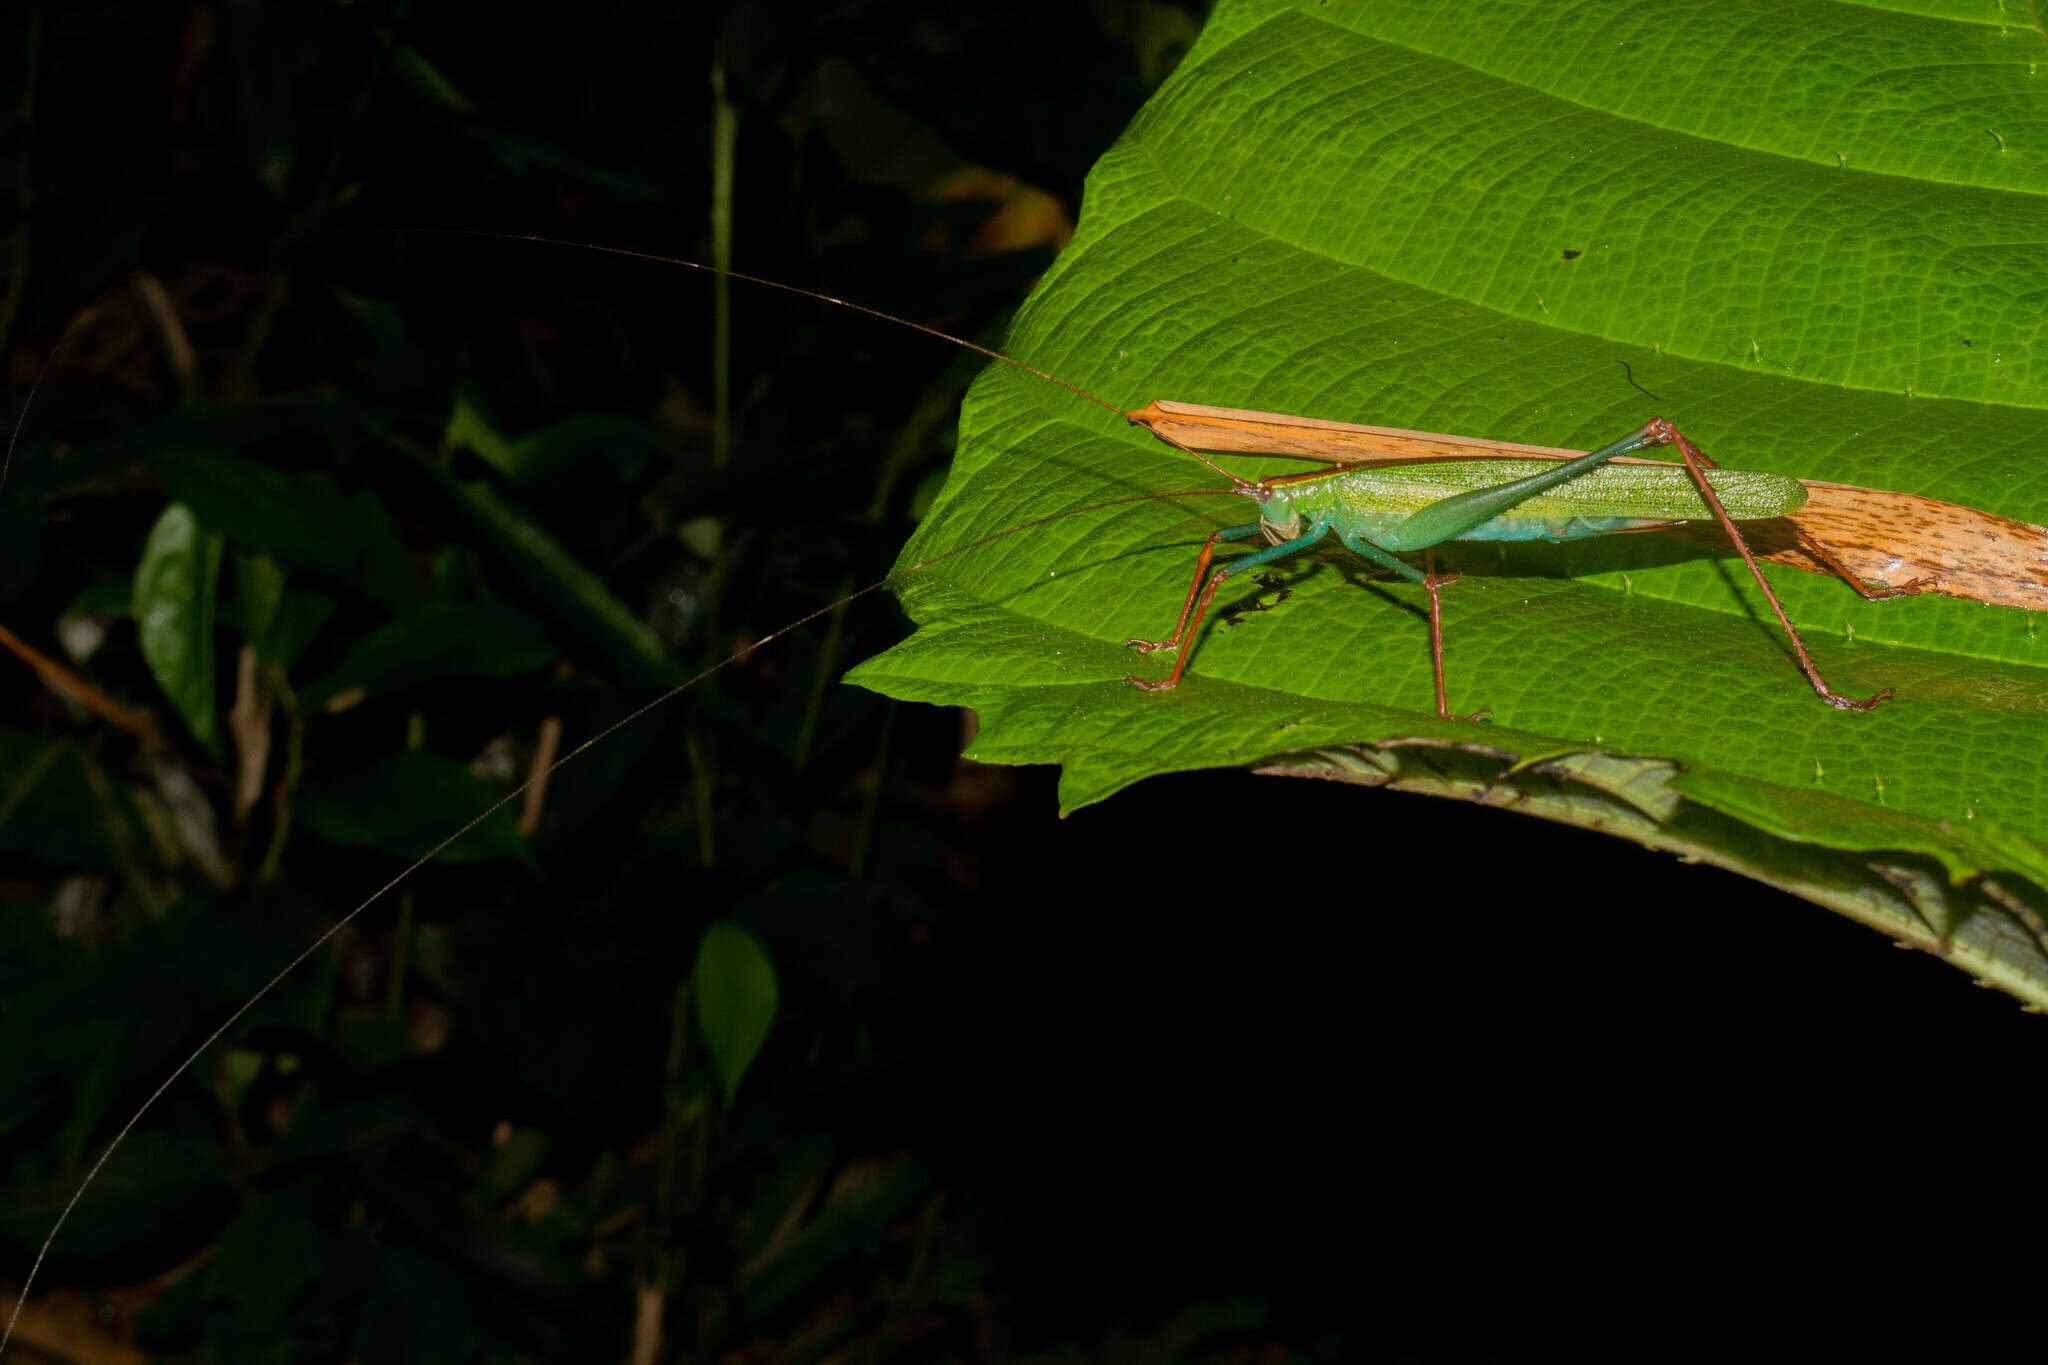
x,y
1379,514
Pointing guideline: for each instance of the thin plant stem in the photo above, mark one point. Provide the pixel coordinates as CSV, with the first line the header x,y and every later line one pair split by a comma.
x,y
702,784
668,1261
672,1100
288,780
309,223
725,136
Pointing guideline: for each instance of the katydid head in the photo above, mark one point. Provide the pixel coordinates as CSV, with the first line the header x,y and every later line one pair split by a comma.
x,y
1277,512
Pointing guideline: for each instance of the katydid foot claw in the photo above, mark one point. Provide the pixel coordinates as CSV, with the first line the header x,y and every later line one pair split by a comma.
x,y
1884,592
1147,685
1150,646
1869,703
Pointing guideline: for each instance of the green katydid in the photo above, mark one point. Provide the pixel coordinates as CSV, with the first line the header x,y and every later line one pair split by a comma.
x,y
1378,514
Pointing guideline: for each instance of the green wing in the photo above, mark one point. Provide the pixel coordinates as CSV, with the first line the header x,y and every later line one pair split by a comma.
x,y
1633,492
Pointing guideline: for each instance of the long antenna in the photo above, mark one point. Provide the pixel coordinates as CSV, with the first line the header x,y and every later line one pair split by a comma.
x,y
542,775
1238,487
64,339
1242,485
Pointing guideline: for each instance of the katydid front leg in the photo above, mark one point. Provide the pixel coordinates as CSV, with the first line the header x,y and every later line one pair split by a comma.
x,y
1180,627
1184,630
1196,603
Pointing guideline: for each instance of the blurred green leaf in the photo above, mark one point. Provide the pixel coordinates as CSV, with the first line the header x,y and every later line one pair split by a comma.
x,y
304,521
176,581
38,471
468,429
823,924
734,983
334,425
511,1164
418,1313
170,975
398,369
155,1181
21,538
441,640
401,804
276,615
853,1224
51,810
558,582
269,1255
413,67
580,470
879,142
271,49
106,597
300,617
358,1130
577,447
259,593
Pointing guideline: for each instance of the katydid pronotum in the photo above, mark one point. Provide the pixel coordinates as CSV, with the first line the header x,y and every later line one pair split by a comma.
x,y
1379,514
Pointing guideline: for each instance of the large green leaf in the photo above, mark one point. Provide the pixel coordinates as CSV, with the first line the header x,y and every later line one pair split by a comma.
x,y
1816,235
176,583
737,999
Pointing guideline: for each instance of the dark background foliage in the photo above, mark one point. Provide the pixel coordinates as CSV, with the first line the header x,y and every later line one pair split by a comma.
x,y
1227,1069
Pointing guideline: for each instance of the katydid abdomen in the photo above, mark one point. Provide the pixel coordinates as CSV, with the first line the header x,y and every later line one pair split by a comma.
x,y
1602,501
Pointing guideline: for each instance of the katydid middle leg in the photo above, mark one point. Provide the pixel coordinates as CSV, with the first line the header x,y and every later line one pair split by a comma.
x,y
1449,518
1432,584
1180,627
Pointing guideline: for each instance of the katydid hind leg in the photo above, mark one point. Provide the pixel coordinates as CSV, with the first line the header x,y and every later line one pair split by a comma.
x,y
1664,432
1869,592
